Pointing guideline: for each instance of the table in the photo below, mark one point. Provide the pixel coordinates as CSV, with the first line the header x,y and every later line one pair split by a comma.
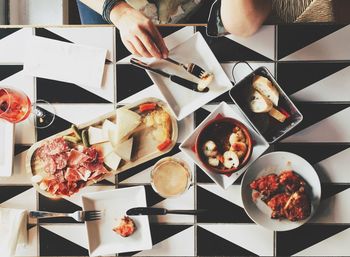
x,y
311,62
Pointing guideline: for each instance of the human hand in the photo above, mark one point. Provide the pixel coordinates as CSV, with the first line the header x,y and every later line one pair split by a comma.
x,y
138,33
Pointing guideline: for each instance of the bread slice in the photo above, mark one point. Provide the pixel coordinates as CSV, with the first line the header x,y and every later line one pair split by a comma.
x,y
259,103
277,115
266,88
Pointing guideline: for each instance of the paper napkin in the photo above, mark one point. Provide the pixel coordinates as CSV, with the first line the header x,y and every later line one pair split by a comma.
x,y
67,62
6,148
13,230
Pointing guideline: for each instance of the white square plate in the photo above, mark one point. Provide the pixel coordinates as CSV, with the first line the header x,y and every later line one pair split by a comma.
x,y
183,101
259,147
114,203
6,148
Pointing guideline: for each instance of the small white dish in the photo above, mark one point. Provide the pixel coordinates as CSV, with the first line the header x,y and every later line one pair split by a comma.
x,y
7,130
102,240
276,162
259,147
183,101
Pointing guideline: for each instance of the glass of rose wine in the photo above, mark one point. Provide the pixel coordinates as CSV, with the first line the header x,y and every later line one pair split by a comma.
x,y
15,106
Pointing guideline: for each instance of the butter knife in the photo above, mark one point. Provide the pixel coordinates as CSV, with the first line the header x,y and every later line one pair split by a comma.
x,y
160,211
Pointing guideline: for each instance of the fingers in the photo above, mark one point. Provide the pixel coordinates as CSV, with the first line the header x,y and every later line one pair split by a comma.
x,y
148,42
140,47
131,48
159,41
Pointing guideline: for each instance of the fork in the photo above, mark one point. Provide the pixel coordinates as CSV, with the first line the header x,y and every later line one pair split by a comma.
x,y
192,68
80,216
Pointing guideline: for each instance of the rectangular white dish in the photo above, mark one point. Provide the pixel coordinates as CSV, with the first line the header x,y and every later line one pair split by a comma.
x,y
181,100
102,240
259,147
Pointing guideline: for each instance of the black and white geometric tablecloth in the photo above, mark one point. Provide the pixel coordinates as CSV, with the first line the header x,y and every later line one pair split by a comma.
x,y
311,63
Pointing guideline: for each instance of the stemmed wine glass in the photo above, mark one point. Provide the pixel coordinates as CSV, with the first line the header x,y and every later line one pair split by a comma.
x,y
15,106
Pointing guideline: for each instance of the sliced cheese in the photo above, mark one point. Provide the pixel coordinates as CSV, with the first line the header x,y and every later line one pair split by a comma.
x,y
112,160
124,149
127,122
96,136
104,148
106,127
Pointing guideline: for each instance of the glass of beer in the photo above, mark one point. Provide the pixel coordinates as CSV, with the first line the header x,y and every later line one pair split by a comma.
x,y
170,177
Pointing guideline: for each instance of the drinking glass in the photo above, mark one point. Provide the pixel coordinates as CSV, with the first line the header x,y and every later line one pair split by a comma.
x,y
15,106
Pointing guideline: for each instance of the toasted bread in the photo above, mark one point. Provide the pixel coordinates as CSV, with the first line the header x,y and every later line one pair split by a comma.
x,y
277,115
259,103
265,87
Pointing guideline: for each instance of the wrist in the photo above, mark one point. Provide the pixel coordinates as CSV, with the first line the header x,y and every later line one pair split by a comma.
x,y
118,11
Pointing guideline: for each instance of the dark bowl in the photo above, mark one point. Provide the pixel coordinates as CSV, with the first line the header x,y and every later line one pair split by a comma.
x,y
207,134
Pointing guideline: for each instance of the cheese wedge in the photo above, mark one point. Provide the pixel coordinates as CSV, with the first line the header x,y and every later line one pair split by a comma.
x,y
106,127
96,136
112,160
104,148
127,122
124,150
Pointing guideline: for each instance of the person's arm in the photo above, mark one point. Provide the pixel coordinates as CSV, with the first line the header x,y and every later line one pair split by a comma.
x,y
138,33
244,17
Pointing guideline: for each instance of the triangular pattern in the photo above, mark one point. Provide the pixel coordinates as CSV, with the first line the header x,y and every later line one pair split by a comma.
x,y
306,35
19,175
210,244
180,244
231,194
304,237
333,88
22,199
339,163
63,240
296,76
332,246
212,203
336,124
266,38
248,236
103,37
9,192
324,49
12,42
334,209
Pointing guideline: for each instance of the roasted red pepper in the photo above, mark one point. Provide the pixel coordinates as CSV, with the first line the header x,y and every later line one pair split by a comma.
x,y
147,107
164,145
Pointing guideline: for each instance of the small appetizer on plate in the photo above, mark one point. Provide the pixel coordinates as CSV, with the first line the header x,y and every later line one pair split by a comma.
x,y
126,227
224,145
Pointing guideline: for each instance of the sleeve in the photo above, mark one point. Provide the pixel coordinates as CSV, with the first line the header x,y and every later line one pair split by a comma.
x,y
215,27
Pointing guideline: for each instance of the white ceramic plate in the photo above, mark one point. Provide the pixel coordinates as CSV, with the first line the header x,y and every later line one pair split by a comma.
x,y
276,162
114,203
6,148
181,100
231,111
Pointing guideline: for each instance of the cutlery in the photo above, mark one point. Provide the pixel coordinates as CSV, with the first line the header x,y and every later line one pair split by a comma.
x,y
192,68
176,79
80,216
160,211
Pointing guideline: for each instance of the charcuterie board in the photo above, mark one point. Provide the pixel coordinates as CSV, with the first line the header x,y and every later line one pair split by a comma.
x,y
87,153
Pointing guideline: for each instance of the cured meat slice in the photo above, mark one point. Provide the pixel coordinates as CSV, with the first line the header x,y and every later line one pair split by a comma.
x,y
61,160
93,154
76,158
84,173
50,165
98,172
56,146
72,175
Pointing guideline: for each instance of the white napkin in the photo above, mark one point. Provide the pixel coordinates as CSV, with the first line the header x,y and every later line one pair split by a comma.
x,y
72,63
13,230
6,148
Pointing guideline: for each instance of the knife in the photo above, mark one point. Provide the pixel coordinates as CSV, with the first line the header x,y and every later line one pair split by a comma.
x,y
160,211
176,79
